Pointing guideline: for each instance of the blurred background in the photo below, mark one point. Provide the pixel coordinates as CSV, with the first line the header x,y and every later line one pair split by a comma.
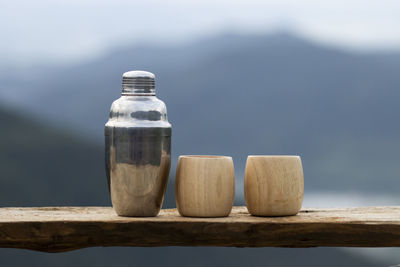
x,y
319,79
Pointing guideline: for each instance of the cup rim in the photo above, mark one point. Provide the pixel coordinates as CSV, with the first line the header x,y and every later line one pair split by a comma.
x,y
214,157
273,156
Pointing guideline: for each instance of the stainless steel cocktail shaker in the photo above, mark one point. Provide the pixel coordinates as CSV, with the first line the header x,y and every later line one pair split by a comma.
x,y
137,147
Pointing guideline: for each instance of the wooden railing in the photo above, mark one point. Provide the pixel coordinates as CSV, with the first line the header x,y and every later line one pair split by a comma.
x,y
57,229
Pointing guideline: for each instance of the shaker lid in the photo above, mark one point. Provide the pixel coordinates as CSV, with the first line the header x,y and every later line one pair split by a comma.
x,y
138,74
138,82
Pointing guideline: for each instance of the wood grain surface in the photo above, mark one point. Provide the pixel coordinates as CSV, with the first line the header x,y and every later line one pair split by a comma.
x,y
57,229
273,185
205,186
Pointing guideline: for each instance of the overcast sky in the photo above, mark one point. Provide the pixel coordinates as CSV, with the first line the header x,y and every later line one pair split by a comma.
x,y
71,30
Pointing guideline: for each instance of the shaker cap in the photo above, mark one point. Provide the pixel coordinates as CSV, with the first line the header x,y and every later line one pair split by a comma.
x,y
138,82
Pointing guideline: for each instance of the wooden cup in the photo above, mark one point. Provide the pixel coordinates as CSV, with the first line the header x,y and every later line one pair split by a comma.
x,y
204,186
273,185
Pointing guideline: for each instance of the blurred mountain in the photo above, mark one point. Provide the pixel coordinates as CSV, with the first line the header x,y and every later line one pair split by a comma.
x,y
240,95
44,165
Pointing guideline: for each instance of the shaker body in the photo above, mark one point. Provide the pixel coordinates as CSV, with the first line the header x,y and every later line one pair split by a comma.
x,y
137,165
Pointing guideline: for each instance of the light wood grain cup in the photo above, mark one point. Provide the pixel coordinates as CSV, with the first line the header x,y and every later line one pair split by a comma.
x,y
273,185
204,186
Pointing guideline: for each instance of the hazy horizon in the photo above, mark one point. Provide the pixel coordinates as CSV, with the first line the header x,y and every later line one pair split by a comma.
x,y
71,31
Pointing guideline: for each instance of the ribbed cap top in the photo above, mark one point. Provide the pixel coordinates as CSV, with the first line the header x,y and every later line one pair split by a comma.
x,y
137,82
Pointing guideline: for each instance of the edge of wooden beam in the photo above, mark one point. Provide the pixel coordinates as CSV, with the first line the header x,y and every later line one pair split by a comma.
x,y
57,229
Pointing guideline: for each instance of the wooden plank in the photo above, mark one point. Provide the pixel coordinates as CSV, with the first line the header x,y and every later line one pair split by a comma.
x,y
56,229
